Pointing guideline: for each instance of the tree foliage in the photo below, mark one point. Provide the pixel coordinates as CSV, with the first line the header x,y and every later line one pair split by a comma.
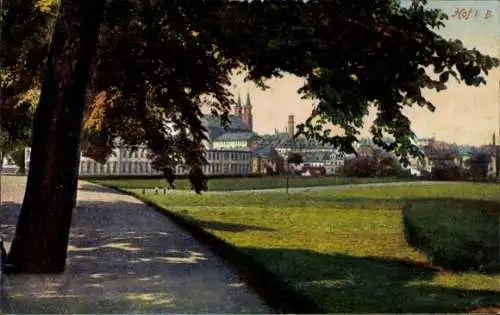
x,y
478,164
159,61
25,34
295,158
361,166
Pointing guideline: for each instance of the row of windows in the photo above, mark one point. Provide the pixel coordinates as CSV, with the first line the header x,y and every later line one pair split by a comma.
x,y
335,163
211,155
113,167
233,156
144,167
227,168
220,168
140,153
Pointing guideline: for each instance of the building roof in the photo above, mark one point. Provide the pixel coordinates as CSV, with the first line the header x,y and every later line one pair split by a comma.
x,y
267,144
304,143
310,157
439,150
216,129
237,136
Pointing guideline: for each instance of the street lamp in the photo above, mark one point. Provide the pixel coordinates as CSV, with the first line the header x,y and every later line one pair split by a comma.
x,y
497,155
287,171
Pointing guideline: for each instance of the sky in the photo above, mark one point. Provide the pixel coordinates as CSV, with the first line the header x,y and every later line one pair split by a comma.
x,y
464,115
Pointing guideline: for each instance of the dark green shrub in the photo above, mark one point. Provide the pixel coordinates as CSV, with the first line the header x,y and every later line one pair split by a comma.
x,y
455,234
361,166
446,173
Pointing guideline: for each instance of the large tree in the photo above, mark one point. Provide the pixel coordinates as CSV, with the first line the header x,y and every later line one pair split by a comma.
x,y
42,231
158,62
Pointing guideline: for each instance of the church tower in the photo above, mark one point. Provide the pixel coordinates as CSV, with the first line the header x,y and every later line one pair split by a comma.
x,y
238,109
247,113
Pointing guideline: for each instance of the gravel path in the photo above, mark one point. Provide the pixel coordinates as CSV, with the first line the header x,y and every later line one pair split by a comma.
x,y
124,257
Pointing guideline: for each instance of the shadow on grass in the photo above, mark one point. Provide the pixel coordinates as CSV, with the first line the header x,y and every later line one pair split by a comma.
x,y
126,258
226,227
345,284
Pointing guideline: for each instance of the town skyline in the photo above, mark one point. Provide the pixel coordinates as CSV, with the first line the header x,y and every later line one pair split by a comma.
x,y
464,115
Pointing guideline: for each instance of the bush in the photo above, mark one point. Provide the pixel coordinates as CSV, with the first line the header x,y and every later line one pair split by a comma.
x,y
424,174
455,234
295,158
389,167
447,173
361,166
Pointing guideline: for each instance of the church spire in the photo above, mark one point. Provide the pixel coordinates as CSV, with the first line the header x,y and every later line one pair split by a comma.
x,y
247,113
248,103
238,112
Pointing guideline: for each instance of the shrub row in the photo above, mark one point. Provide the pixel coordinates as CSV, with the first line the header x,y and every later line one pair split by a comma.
x,y
455,234
364,166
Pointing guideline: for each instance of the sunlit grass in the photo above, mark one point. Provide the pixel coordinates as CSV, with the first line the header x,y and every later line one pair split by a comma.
x,y
345,249
244,183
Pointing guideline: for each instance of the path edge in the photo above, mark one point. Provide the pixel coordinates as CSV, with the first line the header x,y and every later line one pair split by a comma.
x,y
269,287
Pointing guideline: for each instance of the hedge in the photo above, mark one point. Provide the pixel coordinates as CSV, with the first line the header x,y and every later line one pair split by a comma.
x,y
455,234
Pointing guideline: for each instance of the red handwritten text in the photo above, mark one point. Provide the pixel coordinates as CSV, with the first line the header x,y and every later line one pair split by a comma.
x,y
469,13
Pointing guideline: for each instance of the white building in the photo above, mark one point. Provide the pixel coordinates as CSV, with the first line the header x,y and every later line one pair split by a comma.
x,y
125,162
228,162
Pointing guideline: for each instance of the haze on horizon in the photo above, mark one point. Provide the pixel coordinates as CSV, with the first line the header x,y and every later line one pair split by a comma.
x,y
464,115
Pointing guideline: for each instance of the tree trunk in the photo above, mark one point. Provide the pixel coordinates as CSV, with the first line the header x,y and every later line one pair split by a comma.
x,y
1,162
41,239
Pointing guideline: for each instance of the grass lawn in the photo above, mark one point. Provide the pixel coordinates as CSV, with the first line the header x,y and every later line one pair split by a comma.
x,y
344,249
245,183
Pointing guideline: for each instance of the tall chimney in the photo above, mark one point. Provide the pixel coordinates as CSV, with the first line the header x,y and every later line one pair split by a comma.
x,y
291,126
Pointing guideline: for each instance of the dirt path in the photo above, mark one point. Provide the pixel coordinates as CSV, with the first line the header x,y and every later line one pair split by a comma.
x,y
123,258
